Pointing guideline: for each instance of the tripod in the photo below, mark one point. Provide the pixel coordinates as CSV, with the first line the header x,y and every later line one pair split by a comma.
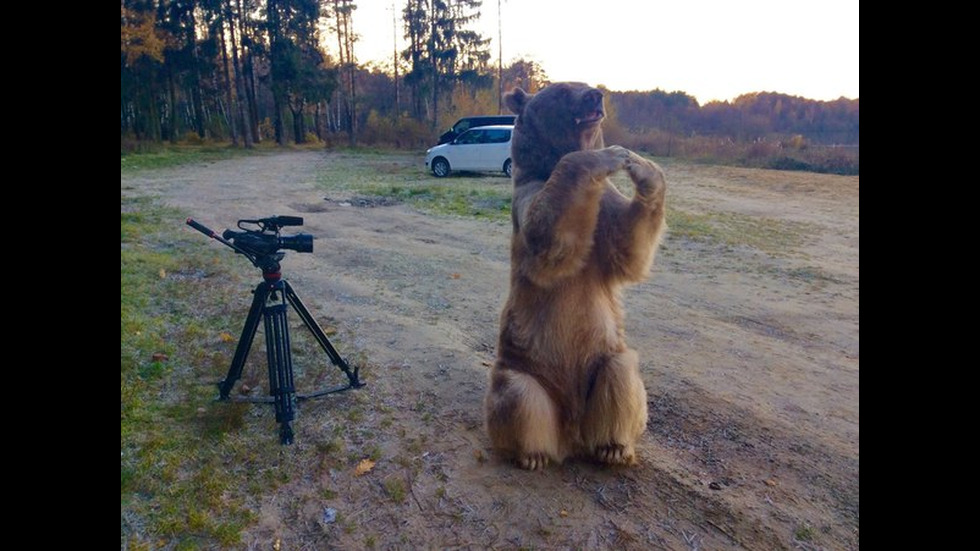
x,y
269,304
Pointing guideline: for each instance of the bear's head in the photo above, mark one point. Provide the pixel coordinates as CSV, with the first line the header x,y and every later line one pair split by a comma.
x,y
557,120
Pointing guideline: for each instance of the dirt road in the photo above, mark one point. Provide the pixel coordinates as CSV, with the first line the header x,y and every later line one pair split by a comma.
x,y
747,333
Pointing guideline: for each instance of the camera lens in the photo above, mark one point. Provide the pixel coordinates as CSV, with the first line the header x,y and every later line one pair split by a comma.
x,y
301,242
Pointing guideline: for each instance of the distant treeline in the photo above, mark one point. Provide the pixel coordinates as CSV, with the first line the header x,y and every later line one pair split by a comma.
x,y
251,71
749,117
759,129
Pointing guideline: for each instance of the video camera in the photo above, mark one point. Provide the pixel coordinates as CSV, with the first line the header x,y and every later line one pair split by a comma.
x,y
260,240
265,240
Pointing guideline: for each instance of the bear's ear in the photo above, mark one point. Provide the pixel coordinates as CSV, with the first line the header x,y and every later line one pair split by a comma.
x,y
516,99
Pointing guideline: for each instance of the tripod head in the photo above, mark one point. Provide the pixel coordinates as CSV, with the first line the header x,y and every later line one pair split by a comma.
x,y
260,241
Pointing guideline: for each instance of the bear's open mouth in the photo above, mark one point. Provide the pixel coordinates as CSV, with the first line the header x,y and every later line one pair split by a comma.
x,y
594,116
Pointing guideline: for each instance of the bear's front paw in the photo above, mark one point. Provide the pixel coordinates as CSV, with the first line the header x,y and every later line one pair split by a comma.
x,y
604,161
647,175
616,155
616,454
532,461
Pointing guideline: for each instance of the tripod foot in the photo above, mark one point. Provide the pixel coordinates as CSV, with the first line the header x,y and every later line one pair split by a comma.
x,y
285,434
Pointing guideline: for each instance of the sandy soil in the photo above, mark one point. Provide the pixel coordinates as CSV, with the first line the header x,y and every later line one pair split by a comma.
x,y
750,355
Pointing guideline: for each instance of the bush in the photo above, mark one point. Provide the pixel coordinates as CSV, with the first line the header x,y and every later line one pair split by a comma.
x,y
760,149
128,144
836,160
191,138
217,129
266,131
788,163
405,133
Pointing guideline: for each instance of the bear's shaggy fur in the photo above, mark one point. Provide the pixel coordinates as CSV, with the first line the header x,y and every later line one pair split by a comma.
x,y
564,382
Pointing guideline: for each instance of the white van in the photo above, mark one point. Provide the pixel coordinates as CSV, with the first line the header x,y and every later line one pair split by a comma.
x,y
482,149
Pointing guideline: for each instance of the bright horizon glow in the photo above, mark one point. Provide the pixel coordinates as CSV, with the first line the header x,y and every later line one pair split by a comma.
x,y
709,49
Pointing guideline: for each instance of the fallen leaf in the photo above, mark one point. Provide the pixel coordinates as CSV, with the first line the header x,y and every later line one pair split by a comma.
x,y
226,337
455,275
159,357
486,363
330,330
563,513
163,273
364,467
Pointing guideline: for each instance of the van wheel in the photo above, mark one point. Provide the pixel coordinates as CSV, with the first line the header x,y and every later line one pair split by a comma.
x,y
440,167
507,164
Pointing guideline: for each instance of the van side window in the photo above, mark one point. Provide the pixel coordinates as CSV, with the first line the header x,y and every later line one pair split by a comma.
x,y
498,136
473,136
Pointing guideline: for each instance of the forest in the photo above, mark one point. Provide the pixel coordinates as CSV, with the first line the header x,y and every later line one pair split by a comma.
x,y
246,72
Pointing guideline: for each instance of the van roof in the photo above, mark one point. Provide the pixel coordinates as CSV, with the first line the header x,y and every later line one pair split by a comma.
x,y
492,126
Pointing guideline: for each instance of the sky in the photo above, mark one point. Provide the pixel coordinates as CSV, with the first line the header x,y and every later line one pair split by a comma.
x,y
710,49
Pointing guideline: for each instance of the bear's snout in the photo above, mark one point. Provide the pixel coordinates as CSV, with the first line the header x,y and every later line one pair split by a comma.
x,y
593,98
591,107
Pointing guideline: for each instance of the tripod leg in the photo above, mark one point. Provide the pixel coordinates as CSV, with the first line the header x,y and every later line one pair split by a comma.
x,y
280,368
245,341
320,336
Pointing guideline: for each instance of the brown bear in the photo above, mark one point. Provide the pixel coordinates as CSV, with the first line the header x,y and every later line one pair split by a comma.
x,y
565,383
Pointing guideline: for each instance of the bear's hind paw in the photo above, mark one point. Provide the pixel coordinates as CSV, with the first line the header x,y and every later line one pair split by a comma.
x,y
533,461
616,454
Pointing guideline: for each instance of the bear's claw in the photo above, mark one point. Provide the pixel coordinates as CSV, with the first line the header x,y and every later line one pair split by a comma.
x,y
615,454
533,461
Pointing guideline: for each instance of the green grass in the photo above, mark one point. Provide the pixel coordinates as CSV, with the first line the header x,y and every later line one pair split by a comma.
x,y
471,200
166,155
395,488
401,177
773,236
804,532
192,467
173,475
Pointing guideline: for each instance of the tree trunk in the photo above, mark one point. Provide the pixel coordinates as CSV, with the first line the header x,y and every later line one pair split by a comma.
x,y
394,58
248,77
272,15
316,122
500,61
195,84
299,125
352,70
435,67
172,105
253,107
342,73
229,112
239,86
150,114
344,40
